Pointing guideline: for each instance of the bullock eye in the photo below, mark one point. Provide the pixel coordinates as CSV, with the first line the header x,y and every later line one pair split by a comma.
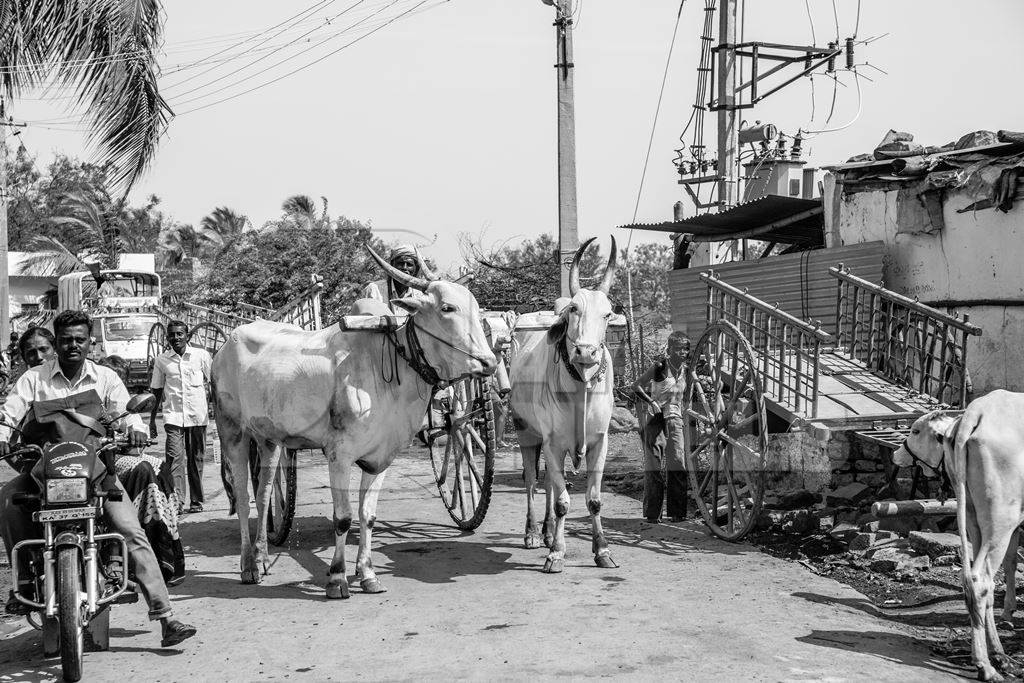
x,y
608,316
448,308
915,431
574,308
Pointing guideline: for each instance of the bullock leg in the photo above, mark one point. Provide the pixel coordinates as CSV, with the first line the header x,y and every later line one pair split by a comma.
x,y
237,452
555,561
979,585
369,491
530,447
549,513
270,456
595,471
340,469
1010,576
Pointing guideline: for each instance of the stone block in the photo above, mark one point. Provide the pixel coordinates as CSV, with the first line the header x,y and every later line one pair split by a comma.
x,y
861,542
868,465
933,545
873,479
887,544
946,561
890,559
850,494
845,479
901,525
843,532
798,498
623,421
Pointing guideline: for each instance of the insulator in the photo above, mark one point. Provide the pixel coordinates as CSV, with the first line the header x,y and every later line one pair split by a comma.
x,y
849,53
758,133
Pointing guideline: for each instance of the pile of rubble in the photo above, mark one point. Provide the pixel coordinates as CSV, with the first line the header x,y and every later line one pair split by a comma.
x,y
843,522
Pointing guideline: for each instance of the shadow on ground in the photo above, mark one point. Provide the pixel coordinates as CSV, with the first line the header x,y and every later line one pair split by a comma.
x,y
893,647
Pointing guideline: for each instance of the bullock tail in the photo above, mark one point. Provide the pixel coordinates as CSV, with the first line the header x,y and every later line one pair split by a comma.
x,y
962,433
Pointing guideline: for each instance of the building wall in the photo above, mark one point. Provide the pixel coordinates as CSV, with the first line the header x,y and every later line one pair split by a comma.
x,y
973,263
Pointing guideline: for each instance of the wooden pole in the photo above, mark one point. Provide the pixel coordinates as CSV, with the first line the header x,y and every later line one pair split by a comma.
x,y
726,98
568,235
5,282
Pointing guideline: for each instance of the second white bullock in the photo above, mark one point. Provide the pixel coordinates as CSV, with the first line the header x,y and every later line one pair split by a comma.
x,y
353,394
983,451
562,403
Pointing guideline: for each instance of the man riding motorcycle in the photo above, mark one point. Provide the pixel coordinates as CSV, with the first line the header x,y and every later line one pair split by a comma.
x,y
88,391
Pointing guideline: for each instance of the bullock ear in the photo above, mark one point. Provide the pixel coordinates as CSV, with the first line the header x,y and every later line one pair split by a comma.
x,y
409,304
557,331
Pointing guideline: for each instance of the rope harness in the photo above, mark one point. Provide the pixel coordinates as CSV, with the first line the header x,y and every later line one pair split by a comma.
x,y
412,353
581,428
945,482
563,355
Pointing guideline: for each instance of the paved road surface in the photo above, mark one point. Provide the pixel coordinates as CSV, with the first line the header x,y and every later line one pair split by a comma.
x,y
460,605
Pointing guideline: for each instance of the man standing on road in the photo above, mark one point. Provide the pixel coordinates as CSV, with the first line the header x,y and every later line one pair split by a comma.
x,y
73,380
664,470
180,378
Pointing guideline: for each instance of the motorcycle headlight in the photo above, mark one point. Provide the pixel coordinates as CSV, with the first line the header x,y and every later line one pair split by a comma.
x,y
67,490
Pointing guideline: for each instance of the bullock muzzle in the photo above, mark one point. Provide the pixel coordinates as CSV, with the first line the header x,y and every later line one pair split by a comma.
x,y
586,355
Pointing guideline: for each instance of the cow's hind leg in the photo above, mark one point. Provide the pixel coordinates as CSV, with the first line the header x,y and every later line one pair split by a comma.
x,y
979,587
530,447
1010,577
340,469
369,492
270,457
555,562
595,471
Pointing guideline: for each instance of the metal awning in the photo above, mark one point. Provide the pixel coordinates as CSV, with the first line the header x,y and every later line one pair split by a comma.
x,y
772,218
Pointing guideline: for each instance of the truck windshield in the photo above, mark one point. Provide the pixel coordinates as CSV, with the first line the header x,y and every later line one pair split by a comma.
x,y
125,329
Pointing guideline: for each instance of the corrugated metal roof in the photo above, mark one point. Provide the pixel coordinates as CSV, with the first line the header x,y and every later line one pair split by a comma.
x,y
800,283
996,149
773,218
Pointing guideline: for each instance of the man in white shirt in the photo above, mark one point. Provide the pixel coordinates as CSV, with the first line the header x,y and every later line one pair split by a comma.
x,y
180,377
71,377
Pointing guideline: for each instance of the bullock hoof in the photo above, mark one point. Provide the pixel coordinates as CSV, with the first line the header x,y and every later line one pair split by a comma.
x,y
605,561
987,673
531,541
251,576
337,591
554,566
372,585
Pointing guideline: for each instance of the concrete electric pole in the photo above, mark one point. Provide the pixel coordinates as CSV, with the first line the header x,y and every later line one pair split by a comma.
x,y
728,183
568,234
5,283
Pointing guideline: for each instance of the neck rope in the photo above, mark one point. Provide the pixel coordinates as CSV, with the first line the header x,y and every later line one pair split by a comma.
x,y
412,353
941,471
563,355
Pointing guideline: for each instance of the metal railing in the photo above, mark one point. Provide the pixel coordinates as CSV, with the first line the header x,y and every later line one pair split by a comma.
x,y
787,350
903,340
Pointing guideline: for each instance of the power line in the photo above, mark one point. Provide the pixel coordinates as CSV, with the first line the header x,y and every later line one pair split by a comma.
x,y
318,60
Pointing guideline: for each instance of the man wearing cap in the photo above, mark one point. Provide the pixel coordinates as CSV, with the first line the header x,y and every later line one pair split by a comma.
x,y
403,257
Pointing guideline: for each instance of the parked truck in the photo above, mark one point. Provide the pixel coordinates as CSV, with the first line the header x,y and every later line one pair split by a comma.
x,y
122,304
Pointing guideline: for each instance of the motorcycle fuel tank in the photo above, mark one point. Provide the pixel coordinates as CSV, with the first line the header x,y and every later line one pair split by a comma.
x,y
69,459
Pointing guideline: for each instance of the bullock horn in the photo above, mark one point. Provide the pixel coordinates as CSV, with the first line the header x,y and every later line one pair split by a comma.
x,y
465,279
397,275
609,272
425,270
574,269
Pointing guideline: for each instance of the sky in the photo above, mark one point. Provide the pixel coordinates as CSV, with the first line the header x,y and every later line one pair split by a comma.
x,y
444,121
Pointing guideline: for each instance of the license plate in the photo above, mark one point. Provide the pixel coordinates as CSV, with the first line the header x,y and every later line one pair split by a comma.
x,y
64,515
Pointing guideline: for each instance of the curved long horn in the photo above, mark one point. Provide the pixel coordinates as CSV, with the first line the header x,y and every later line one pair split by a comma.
x,y
609,272
574,269
425,270
465,279
395,274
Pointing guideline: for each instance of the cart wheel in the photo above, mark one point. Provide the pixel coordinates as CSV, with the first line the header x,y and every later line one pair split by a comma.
x,y
209,336
464,461
157,345
282,492
724,431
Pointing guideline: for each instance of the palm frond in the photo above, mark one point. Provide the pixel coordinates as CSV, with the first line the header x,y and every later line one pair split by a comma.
x,y
103,50
50,256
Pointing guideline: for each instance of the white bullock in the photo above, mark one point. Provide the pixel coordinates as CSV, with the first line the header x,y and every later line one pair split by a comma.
x,y
353,394
983,451
562,402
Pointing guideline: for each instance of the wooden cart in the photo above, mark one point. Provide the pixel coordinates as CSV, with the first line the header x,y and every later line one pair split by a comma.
x,y
756,370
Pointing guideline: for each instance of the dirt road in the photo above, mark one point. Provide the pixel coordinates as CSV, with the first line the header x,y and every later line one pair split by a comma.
x,y
475,605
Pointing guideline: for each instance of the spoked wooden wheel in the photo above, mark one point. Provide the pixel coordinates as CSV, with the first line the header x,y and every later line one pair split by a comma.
x,y
282,492
464,461
725,431
157,345
209,336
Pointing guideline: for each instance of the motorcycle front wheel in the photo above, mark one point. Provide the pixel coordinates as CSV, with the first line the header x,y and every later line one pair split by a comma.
x,y
69,606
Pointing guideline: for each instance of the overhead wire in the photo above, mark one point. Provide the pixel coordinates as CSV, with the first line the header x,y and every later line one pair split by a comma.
x,y
860,106
319,59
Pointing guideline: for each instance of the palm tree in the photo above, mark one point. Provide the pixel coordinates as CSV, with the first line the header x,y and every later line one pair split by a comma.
x,y
300,208
92,234
179,245
220,229
105,51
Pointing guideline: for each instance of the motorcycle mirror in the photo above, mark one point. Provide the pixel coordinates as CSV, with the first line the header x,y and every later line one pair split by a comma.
x,y
141,403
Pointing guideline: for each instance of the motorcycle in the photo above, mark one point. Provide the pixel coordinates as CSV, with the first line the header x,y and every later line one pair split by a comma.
x,y
73,587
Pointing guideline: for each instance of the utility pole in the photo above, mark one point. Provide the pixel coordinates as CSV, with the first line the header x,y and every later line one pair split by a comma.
x,y
728,182
568,234
5,282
